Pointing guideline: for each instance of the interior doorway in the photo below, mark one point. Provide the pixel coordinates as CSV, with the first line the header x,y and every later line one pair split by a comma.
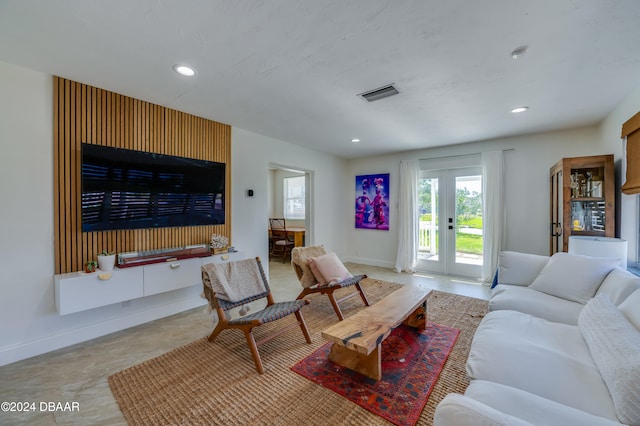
x,y
288,200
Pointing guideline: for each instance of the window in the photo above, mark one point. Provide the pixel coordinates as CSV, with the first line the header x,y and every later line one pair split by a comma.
x,y
294,198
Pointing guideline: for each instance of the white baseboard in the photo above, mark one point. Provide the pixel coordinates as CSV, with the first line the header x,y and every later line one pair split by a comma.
x,y
17,352
370,262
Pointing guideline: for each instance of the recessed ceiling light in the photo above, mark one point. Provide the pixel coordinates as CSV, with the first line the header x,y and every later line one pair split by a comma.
x,y
520,109
518,52
184,70
355,140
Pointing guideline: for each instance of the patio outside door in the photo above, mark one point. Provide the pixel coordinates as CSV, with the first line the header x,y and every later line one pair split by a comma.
x,y
450,221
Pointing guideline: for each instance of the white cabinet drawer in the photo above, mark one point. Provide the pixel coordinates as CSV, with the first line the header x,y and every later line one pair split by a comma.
x,y
224,257
79,291
168,276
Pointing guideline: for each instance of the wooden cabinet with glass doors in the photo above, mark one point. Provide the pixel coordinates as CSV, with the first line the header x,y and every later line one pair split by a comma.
x,y
582,199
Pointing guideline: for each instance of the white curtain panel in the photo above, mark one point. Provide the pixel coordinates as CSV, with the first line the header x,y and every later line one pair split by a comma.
x,y
493,212
408,217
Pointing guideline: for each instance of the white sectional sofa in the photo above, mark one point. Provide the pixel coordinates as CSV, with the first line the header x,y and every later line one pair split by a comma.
x,y
560,346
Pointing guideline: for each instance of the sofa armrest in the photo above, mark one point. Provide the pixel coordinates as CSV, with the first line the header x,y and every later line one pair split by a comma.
x,y
460,410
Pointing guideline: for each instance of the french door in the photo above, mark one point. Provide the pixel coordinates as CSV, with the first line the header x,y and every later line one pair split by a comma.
x,y
450,221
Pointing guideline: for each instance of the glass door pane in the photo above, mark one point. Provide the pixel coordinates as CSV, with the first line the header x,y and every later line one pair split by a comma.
x,y
468,220
428,219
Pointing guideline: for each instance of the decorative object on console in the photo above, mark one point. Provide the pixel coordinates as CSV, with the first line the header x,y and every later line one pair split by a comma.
x,y
90,266
106,260
219,244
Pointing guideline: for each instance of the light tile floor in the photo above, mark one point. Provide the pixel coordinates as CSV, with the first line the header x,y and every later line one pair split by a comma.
x,y
78,374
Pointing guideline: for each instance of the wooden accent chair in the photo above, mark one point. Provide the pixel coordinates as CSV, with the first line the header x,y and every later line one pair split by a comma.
x,y
232,284
281,241
299,260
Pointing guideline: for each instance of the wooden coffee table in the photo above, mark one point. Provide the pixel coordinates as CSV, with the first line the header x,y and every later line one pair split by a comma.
x,y
357,339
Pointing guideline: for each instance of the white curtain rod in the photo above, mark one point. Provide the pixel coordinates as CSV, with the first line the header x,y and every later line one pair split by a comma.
x,y
462,155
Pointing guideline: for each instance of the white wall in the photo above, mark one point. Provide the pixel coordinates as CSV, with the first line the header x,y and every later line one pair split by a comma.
x,y
526,191
26,189
251,154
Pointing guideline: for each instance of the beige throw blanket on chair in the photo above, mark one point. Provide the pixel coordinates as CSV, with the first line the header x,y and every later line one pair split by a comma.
x,y
234,281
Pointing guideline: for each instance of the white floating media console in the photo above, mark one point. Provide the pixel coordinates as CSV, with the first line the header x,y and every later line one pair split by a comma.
x,y
81,291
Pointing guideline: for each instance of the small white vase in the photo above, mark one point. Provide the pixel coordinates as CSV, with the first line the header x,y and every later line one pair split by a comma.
x,y
106,263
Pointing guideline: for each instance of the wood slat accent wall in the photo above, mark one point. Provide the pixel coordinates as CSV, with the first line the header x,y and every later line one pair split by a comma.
x,y
87,114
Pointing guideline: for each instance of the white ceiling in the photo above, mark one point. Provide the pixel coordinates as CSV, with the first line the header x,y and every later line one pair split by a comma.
x,y
291,70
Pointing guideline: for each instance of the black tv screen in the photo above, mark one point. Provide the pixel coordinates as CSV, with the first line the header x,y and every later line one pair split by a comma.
x,y
127,189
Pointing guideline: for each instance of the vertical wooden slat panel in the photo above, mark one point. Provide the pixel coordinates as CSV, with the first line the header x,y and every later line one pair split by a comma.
x,y
67,178
56,170
76,227
87,114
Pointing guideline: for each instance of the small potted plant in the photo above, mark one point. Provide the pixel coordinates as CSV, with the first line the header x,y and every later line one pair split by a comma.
x,y
219,244
106,260
90,266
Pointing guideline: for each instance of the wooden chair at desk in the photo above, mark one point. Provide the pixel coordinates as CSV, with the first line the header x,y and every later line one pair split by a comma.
x,y
281,241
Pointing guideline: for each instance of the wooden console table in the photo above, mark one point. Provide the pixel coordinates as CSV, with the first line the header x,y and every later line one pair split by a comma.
x,y
81,291
357,339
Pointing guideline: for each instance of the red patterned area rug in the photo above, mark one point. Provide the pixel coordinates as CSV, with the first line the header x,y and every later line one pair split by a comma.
x,y
411,363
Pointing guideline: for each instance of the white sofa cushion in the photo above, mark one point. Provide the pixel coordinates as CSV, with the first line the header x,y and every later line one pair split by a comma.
x,y
631,308
545,358
536,303
573,277
615,346
516,268
619,284
529,407
457,409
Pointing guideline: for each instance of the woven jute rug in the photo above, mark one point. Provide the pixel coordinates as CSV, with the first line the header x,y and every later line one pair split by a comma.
x,y
206,383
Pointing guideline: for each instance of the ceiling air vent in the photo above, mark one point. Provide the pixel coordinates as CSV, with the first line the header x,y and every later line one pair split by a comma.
x,y
379,93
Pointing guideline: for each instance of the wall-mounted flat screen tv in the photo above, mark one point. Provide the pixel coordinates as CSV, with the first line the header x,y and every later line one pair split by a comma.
x,y
127,189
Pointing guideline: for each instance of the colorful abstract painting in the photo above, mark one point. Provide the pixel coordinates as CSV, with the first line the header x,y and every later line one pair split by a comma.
x,y
372,202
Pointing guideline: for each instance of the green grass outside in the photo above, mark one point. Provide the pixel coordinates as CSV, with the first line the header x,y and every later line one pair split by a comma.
x,y
473,222
468,243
